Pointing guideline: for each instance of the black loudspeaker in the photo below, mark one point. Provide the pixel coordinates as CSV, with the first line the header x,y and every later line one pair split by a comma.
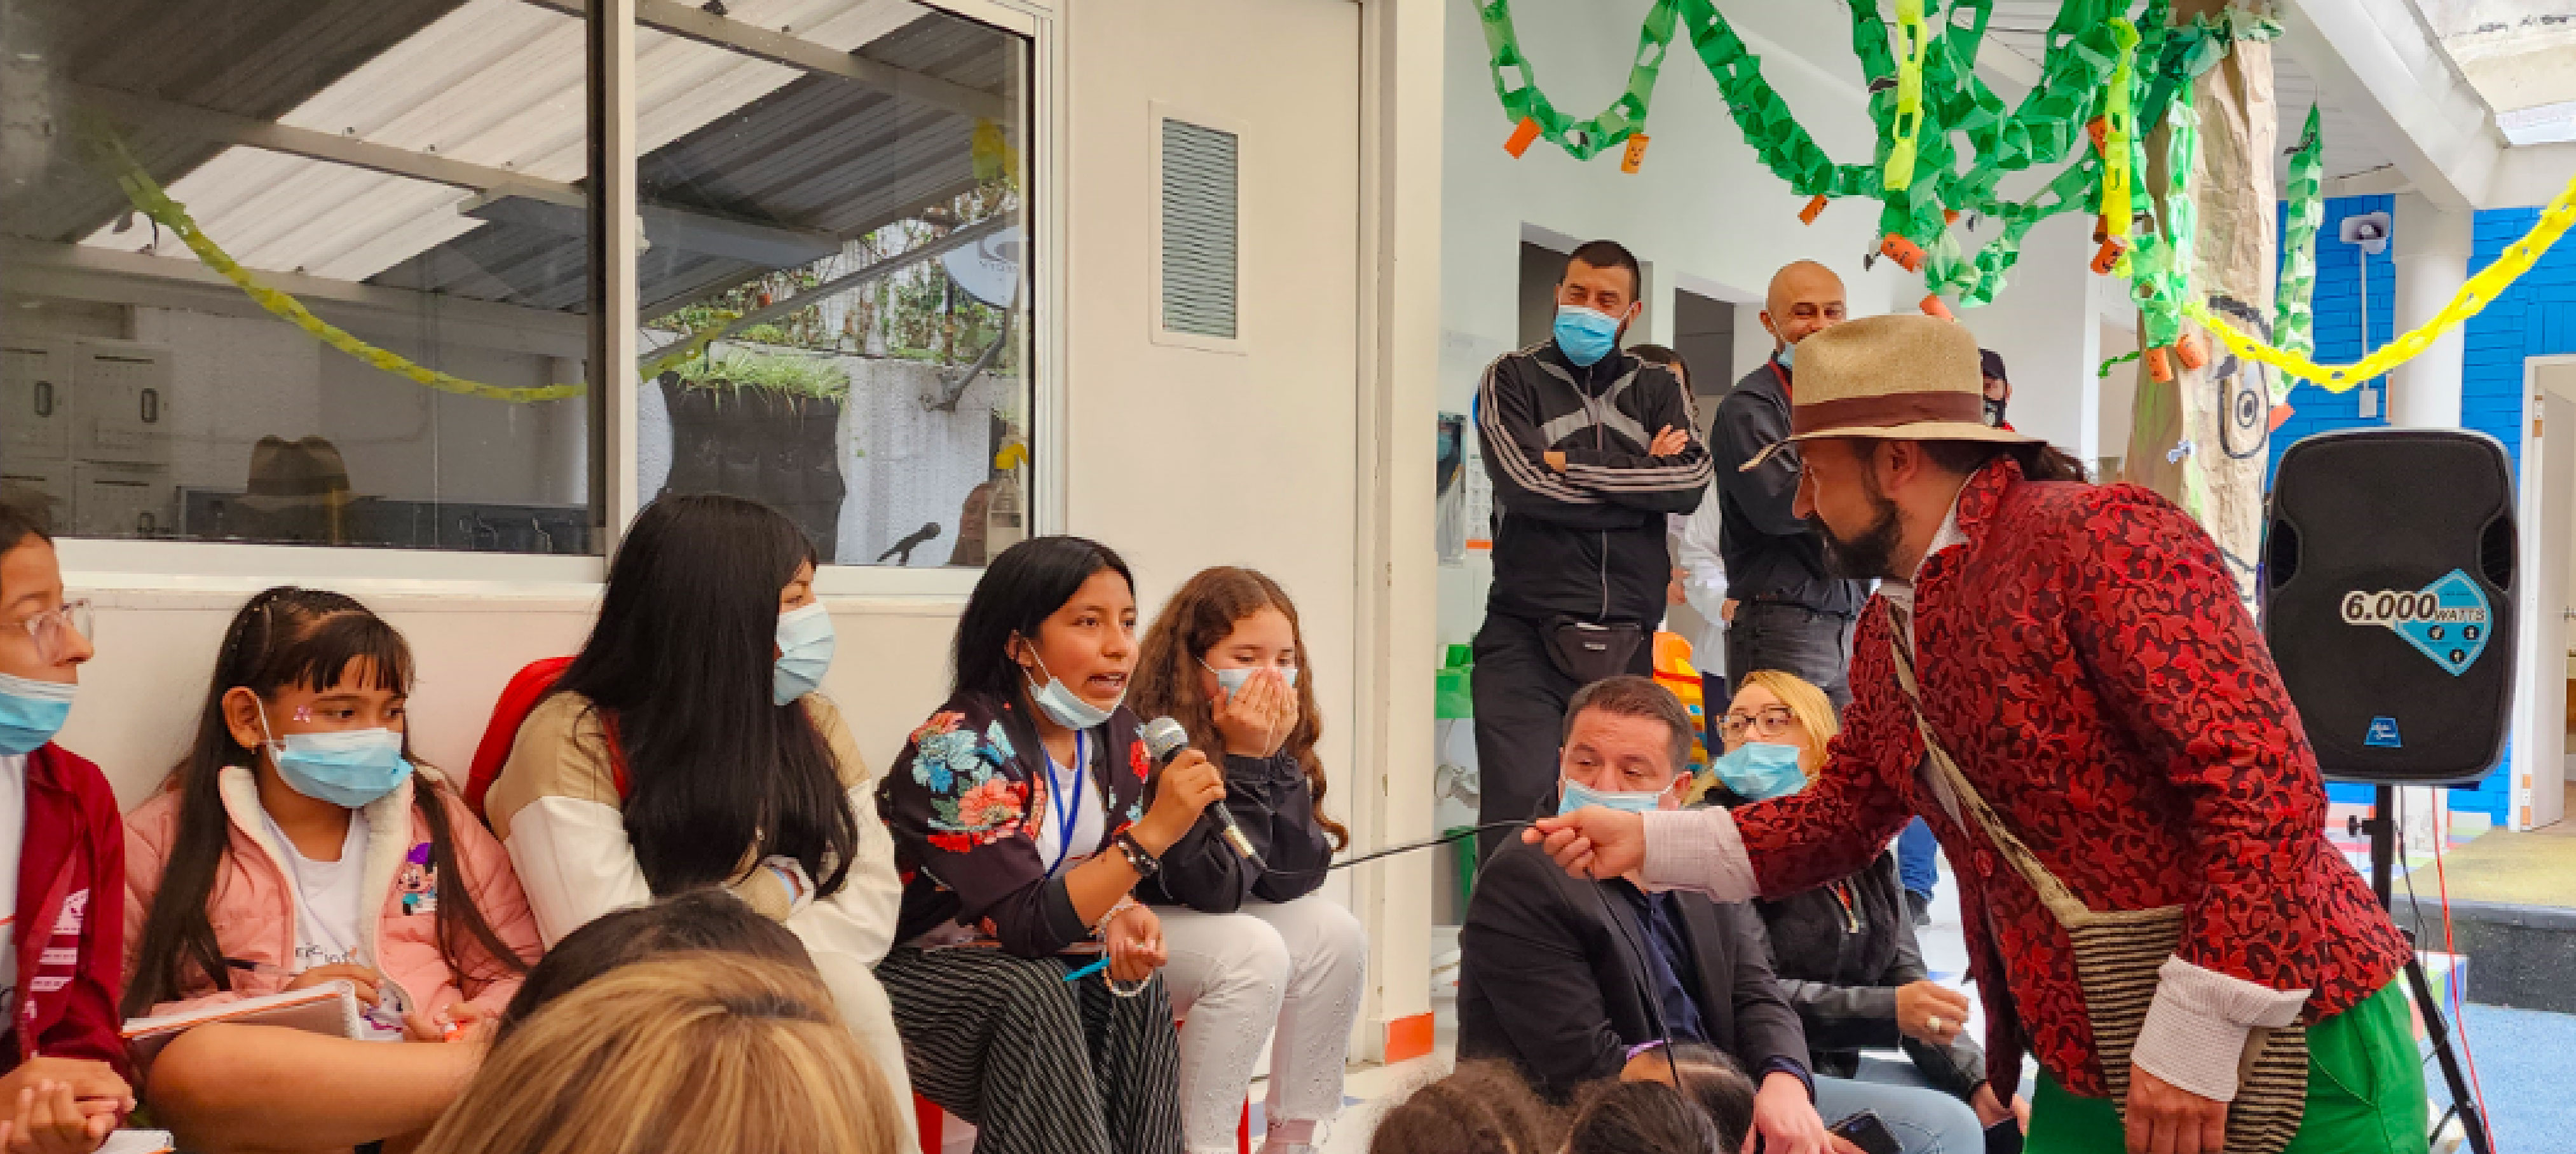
x,y
2387,592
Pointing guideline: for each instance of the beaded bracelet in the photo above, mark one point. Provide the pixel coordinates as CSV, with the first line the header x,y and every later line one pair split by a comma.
x,y
1100,929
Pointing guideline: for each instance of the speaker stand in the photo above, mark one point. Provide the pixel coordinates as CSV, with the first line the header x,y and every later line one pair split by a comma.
x,y
2382,827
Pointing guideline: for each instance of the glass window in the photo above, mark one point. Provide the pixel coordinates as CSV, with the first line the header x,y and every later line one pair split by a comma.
x,y
300,271
835,290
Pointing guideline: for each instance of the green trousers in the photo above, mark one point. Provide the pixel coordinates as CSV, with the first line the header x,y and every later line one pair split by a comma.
x,y
2365,1091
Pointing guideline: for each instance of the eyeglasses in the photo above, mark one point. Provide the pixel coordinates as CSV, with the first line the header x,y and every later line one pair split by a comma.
x,y
1772,721
56,630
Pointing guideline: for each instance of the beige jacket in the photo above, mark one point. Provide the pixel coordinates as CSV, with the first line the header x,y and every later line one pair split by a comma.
x,y
556,807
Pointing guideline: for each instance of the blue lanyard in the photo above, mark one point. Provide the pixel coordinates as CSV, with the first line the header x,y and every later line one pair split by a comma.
x,y
1069,799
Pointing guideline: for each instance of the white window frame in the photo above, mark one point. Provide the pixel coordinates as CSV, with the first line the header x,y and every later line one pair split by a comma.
x,y
114,563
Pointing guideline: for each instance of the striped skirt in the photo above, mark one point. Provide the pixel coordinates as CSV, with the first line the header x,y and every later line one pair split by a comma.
x,y
1039,1065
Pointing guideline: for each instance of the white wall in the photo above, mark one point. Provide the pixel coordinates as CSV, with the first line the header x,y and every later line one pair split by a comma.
x,y
1180,457
156,647
2044,324
1701,209
2119,390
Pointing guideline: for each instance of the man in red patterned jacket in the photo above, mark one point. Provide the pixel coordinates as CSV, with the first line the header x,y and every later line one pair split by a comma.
x,y
2083,656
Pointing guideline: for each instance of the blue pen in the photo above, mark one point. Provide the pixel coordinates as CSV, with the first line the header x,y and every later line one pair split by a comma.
x,y
1087,971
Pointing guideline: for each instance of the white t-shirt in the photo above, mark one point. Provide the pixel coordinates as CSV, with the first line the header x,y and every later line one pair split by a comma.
x,y
1090,820
329,907
13,842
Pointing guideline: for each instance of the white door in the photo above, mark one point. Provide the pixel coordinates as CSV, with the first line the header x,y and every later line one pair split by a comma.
x,y
2549,550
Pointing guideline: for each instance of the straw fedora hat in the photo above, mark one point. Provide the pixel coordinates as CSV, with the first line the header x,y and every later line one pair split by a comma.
x,y
295,474
1900,378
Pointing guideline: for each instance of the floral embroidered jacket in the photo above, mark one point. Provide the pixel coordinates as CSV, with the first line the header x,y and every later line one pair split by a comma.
x,y
2084,655
958,802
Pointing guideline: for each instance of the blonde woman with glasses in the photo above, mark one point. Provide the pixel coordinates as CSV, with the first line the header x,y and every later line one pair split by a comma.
x,y
708,1053
1845,952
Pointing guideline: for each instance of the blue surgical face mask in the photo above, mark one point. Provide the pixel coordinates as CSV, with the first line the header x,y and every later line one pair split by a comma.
x,y
1233,680
804,652
1760,770
1585,336
31,712
1787,356
1062,705
348,767
1577,795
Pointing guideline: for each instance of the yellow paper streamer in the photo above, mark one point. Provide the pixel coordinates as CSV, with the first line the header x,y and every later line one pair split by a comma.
x,y
2116,210
2473,297
1907,125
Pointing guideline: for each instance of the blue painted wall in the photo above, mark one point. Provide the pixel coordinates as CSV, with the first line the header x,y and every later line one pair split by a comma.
x,y
2340,273
2536,317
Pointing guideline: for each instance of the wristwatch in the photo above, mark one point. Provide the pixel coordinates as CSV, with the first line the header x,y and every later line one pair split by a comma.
x,y
1138,859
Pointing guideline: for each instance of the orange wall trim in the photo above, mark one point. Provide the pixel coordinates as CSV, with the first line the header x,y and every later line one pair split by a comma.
x,y
1408,1038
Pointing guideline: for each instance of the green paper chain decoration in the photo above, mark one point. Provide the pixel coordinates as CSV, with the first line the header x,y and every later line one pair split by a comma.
x,y
2292,318
2161,264
1925,105
1516,82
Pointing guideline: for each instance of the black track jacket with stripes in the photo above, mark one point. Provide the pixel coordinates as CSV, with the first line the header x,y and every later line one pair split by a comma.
x,y
1587,543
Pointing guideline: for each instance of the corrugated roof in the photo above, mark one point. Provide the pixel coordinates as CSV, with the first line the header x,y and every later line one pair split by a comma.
x,y
499,83
254,58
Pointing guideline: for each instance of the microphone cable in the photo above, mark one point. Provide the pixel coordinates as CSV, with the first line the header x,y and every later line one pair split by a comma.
x,y
1600,892
1454,835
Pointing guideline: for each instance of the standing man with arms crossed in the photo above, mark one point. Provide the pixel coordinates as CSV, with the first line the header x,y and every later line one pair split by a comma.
x,y
1791,614
1588,448
2100,734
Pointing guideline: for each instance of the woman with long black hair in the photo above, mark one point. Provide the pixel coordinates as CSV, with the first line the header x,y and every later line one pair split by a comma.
x,y
685,747
1024,812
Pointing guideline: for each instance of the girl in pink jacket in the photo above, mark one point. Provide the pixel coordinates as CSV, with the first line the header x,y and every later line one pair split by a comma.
x,y
296,844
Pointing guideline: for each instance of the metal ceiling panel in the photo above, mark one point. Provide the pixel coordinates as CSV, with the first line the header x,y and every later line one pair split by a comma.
x,y
498,84
254,58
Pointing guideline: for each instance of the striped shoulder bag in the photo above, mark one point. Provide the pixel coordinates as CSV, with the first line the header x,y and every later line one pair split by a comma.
x,y
2117,954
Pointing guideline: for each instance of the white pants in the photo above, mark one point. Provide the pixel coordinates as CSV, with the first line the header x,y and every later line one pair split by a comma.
x,y
1233,976
863,1004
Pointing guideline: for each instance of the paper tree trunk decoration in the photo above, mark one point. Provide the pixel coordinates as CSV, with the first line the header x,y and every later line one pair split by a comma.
x,y
2202,422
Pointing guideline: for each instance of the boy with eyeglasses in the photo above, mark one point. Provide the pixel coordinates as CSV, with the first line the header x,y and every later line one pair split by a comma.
x,y
62,873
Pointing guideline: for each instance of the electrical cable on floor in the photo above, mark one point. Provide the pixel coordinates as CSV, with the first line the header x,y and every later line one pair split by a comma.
x,y
2458,1020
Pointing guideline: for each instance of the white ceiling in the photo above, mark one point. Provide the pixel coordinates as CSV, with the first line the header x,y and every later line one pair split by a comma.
x,y
2520,56
2021,26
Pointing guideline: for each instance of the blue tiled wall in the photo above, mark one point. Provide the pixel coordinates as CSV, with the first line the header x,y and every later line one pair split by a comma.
x,y
2338,324
2536,317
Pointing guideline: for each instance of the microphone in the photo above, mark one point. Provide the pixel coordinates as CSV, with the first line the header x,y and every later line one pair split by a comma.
x,y
1164,738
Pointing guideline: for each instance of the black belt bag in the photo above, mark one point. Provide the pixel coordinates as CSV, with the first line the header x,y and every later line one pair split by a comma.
x,y
1589,652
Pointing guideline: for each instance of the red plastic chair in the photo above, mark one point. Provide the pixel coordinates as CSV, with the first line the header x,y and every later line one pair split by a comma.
x,y
527,687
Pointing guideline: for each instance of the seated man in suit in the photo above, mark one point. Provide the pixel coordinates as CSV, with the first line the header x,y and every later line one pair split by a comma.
x,y
1571,985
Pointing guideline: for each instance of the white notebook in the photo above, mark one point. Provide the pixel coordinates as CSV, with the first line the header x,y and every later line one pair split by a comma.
x,y
140,1141
330,1008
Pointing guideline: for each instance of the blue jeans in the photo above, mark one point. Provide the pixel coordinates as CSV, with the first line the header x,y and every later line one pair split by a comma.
x,y
1917,857
1924,1120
